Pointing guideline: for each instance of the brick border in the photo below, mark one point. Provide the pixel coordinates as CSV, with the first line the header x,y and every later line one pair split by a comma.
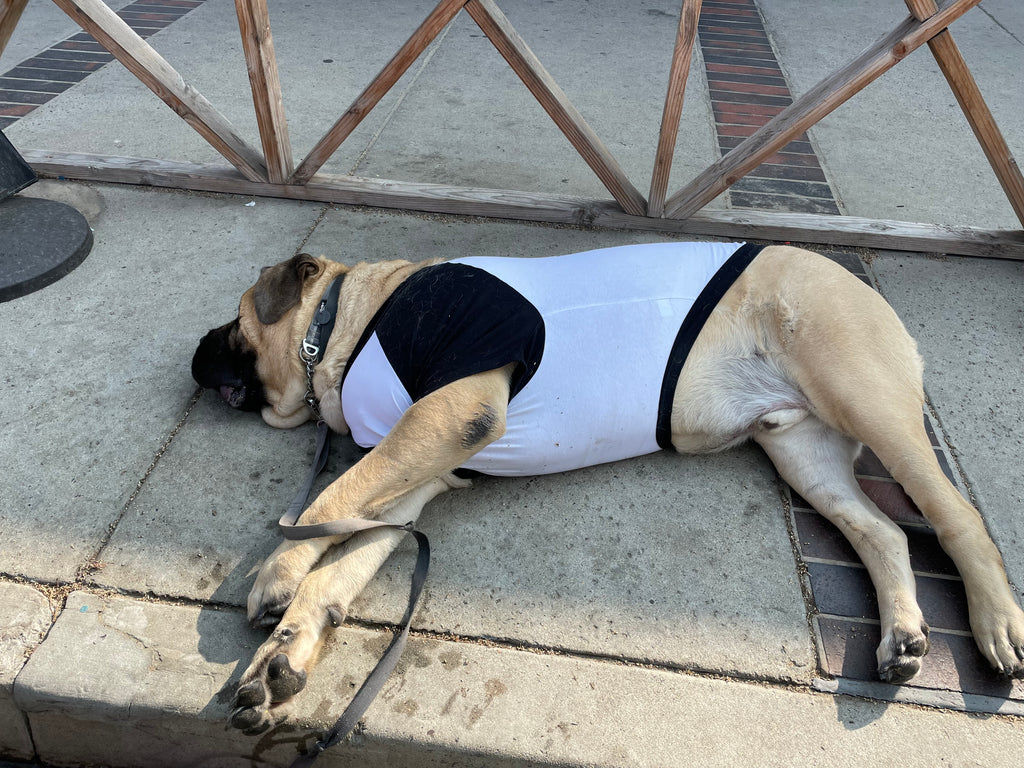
x,y
846,607
37,80
747,88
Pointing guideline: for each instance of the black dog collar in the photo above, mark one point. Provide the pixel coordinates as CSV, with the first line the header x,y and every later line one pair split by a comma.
x,y
322,325
319,333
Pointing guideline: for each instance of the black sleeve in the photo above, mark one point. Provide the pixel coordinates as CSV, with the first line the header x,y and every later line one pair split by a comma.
x,y
450,321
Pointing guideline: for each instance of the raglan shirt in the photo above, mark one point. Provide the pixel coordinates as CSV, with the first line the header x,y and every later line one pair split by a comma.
x,y
597,340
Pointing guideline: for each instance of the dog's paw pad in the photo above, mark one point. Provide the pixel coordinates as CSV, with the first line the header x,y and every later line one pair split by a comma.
x,y
246,719
283,681
899,670
900,653
252,694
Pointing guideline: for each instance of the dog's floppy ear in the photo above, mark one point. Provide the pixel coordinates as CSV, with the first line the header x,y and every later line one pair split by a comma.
x,y
280,287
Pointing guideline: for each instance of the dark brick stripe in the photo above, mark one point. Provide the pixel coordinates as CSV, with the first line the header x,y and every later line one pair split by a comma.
x,y
747,89
37,80
845,597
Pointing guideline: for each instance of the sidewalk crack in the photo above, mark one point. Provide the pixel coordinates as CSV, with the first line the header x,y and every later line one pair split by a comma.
x,y
93,563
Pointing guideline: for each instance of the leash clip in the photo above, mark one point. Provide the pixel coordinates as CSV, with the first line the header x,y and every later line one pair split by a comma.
x,y
310,351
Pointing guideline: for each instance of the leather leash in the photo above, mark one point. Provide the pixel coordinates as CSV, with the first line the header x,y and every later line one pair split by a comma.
x,y
375,680
313,346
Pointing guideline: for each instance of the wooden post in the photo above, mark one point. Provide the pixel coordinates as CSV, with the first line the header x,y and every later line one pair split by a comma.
x,y
96,18
10,12
254,25
968,95
678,73
807,110
438,19
513,48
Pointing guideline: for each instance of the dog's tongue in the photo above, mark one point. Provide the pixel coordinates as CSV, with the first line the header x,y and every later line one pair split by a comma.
x,y
233,396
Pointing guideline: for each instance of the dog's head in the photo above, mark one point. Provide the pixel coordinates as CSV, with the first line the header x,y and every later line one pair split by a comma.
x,y
253,360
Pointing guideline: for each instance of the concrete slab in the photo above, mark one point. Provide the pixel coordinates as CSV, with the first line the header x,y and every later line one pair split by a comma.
x,y
96,366
902,149
25,617
161,672
969,322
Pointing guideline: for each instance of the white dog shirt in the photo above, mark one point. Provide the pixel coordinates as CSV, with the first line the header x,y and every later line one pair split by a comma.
x,y
597,338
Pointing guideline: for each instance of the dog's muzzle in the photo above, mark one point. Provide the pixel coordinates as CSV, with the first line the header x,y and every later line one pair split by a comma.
x,y
231,372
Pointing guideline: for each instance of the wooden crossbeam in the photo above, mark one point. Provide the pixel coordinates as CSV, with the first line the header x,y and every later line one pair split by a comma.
x,y
10,12
438,19
513,48
557,209
110,31
979,116
254,26
673,110
808,109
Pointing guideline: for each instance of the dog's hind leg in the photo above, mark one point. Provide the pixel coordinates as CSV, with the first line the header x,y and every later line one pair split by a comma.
x,y
817,461
861,374
281,666
901,443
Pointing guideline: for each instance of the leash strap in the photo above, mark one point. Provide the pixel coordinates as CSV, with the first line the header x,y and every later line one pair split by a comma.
x,y
323,444
375,680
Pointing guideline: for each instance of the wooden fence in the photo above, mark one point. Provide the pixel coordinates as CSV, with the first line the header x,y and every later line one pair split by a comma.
x,y
270,171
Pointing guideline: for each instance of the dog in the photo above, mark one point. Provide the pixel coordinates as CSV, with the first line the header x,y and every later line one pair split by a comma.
x,y
526,366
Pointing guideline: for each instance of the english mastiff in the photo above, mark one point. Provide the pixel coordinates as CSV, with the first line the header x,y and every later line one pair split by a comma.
x,y
527,366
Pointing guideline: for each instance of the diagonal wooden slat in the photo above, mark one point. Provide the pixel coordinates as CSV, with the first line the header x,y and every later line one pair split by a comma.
x,y
979,116
513,48
438,19
807,110
679,71
110,31
254,26
10,12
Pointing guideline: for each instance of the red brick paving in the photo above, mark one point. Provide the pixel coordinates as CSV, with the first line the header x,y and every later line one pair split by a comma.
x,y
748,89
37,80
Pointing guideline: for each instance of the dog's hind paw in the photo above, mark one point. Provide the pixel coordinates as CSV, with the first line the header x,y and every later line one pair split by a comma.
x,y
900,652
1001,641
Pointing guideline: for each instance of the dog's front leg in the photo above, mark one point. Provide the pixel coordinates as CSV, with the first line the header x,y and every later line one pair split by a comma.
x,y
435,435
281,665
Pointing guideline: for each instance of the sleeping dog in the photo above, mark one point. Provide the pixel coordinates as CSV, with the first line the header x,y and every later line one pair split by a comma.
x,y
530,366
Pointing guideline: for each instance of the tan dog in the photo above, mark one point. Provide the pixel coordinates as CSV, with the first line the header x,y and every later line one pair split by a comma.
x,y
798,355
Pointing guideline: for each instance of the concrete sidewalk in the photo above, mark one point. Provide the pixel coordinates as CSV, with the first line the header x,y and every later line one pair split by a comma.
x,y
134,509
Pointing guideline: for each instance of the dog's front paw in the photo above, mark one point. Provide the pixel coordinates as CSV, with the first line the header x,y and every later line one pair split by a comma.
x,y
900,653
278,581
275,676
1001,640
